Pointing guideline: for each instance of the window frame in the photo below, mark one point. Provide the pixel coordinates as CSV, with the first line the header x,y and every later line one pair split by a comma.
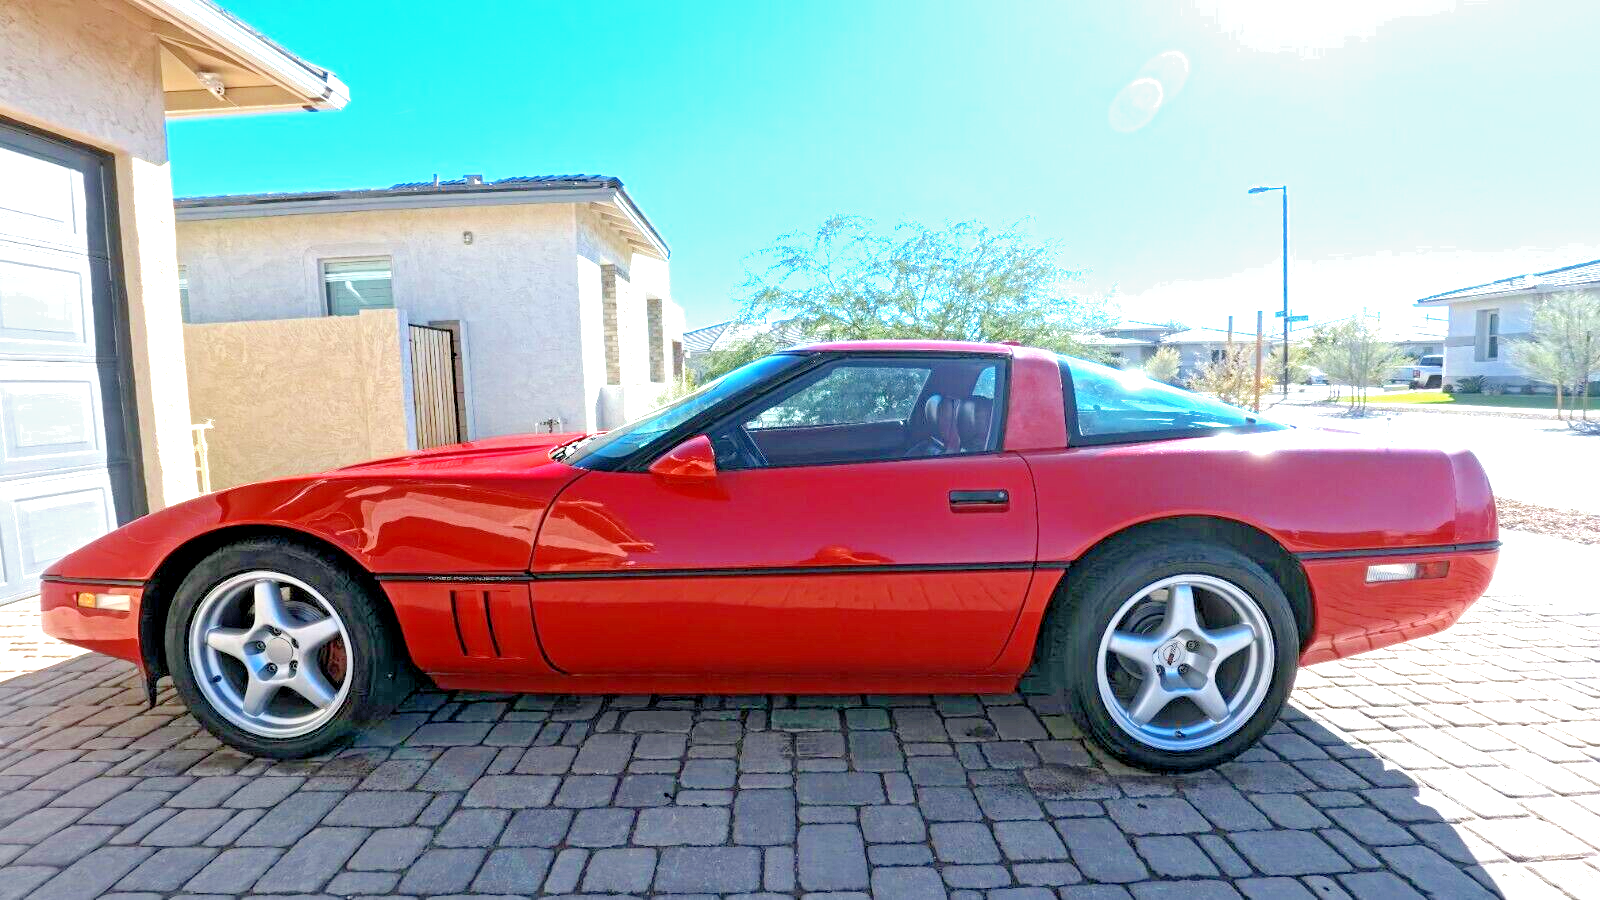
x,y
322,280
714,417
1001,404
183,294
1486,339
1076,437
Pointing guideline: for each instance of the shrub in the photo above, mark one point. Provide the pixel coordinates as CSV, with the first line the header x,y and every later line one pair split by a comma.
x,y
1472,384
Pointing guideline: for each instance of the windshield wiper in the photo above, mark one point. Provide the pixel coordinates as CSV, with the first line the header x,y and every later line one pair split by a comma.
x,y
565,450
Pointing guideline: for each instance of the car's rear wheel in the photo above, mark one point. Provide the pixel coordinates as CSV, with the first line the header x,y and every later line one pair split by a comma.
x,y
279,650
1179,655
1433,382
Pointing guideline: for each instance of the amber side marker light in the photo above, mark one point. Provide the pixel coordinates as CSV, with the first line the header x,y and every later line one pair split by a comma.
x,y
1407,571
117,602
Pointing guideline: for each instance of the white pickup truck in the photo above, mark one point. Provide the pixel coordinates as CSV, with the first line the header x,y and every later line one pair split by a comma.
x,y
1425,372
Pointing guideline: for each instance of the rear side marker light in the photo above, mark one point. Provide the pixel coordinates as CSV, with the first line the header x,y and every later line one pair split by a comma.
x,y
117,602
1407,571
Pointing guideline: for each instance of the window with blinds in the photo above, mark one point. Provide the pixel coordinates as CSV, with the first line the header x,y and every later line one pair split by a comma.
x,y
183,292
352,285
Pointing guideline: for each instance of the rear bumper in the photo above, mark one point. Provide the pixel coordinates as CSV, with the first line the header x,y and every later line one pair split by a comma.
x,y
1354,615
114,632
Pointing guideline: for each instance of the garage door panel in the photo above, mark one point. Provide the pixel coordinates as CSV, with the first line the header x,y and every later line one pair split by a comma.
x,y
50,423
44,198
54,524
46,302
44,519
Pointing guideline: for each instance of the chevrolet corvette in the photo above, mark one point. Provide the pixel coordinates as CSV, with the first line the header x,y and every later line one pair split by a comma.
x,y
867,517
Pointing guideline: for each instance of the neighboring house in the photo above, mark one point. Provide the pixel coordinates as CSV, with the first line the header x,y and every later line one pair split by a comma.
x,y
556,287
1123,352
1417,341
94,397
1129,343
1486,317
1199,347
698,343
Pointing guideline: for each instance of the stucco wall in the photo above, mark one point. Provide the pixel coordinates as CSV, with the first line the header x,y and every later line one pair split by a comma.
x,y
1460,352
291,396
511,289
88,70
526,290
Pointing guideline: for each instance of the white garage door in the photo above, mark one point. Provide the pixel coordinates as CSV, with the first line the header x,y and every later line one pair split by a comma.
x,y
66,475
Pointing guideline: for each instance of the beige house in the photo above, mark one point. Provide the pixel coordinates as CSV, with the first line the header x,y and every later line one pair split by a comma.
x,y
1484,318
94,407
555,291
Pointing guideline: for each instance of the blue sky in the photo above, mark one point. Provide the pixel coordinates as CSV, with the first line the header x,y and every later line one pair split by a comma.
x,y
1427,144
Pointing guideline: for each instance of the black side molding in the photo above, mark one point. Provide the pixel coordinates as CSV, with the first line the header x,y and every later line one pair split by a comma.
x,y
1399,551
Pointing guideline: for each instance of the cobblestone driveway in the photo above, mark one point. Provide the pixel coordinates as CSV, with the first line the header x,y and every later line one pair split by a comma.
x,y
1455,766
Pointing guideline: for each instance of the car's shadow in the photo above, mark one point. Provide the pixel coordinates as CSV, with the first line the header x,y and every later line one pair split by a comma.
x,y
1308,803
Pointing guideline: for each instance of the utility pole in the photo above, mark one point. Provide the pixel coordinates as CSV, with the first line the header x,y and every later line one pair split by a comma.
x,y
1285,296
1258,360
1285,190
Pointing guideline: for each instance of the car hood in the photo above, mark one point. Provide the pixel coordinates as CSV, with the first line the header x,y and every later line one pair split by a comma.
x,y
517,451
470,507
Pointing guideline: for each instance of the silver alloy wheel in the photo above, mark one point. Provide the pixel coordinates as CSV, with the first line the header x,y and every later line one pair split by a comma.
x,y
261,645
1185,662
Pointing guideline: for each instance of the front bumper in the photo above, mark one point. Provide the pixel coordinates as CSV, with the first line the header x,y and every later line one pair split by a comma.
x,y
1354,615
114,632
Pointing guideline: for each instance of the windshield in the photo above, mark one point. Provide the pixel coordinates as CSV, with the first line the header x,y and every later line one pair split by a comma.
x,y
623,441
1119,404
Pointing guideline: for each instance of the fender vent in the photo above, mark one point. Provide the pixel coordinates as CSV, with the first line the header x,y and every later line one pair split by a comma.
x,y
493,624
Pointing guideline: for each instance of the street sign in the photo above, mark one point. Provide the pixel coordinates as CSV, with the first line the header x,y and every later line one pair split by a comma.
x,y
1299,318
1277,314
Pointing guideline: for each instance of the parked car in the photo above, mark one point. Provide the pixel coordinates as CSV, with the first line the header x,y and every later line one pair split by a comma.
x,y
882,517
1314,375
1426,372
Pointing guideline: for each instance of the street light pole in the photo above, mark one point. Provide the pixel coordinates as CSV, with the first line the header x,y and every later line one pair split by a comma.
x,y
1285,192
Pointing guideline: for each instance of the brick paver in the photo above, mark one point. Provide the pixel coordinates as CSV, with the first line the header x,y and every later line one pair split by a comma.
x,y
1457,766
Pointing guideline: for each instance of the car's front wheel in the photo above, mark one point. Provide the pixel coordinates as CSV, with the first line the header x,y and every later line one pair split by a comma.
x,y
1179,655
279,650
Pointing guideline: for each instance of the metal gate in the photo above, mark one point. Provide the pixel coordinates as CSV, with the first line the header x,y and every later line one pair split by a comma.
x,y
433,386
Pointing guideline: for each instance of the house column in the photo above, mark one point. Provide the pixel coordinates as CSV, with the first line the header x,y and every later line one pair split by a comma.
x,y
608,318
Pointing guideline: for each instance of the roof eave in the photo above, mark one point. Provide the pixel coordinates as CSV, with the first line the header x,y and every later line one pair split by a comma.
x,y
641,234
308,86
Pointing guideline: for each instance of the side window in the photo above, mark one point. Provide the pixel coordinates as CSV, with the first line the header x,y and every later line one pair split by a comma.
x,y
1108,406
351,285
870,410
183,293
849,394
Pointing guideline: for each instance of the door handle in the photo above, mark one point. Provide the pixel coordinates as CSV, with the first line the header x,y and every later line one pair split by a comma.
x,y
975,501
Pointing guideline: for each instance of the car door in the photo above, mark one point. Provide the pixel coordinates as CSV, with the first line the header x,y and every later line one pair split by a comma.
x,y
862,521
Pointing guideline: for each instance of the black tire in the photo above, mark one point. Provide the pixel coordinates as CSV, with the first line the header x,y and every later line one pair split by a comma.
x,y
1433,382
1098,589
379,674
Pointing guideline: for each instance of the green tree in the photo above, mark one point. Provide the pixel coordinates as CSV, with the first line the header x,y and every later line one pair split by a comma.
x,y
1564,347
1163,366
1352,351
1231,377
723,360
849,280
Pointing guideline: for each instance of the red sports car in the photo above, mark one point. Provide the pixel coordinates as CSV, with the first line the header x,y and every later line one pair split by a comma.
x,y
884,517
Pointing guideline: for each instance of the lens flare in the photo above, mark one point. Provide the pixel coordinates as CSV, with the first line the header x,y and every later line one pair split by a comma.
x,y
1136,104
1158,81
